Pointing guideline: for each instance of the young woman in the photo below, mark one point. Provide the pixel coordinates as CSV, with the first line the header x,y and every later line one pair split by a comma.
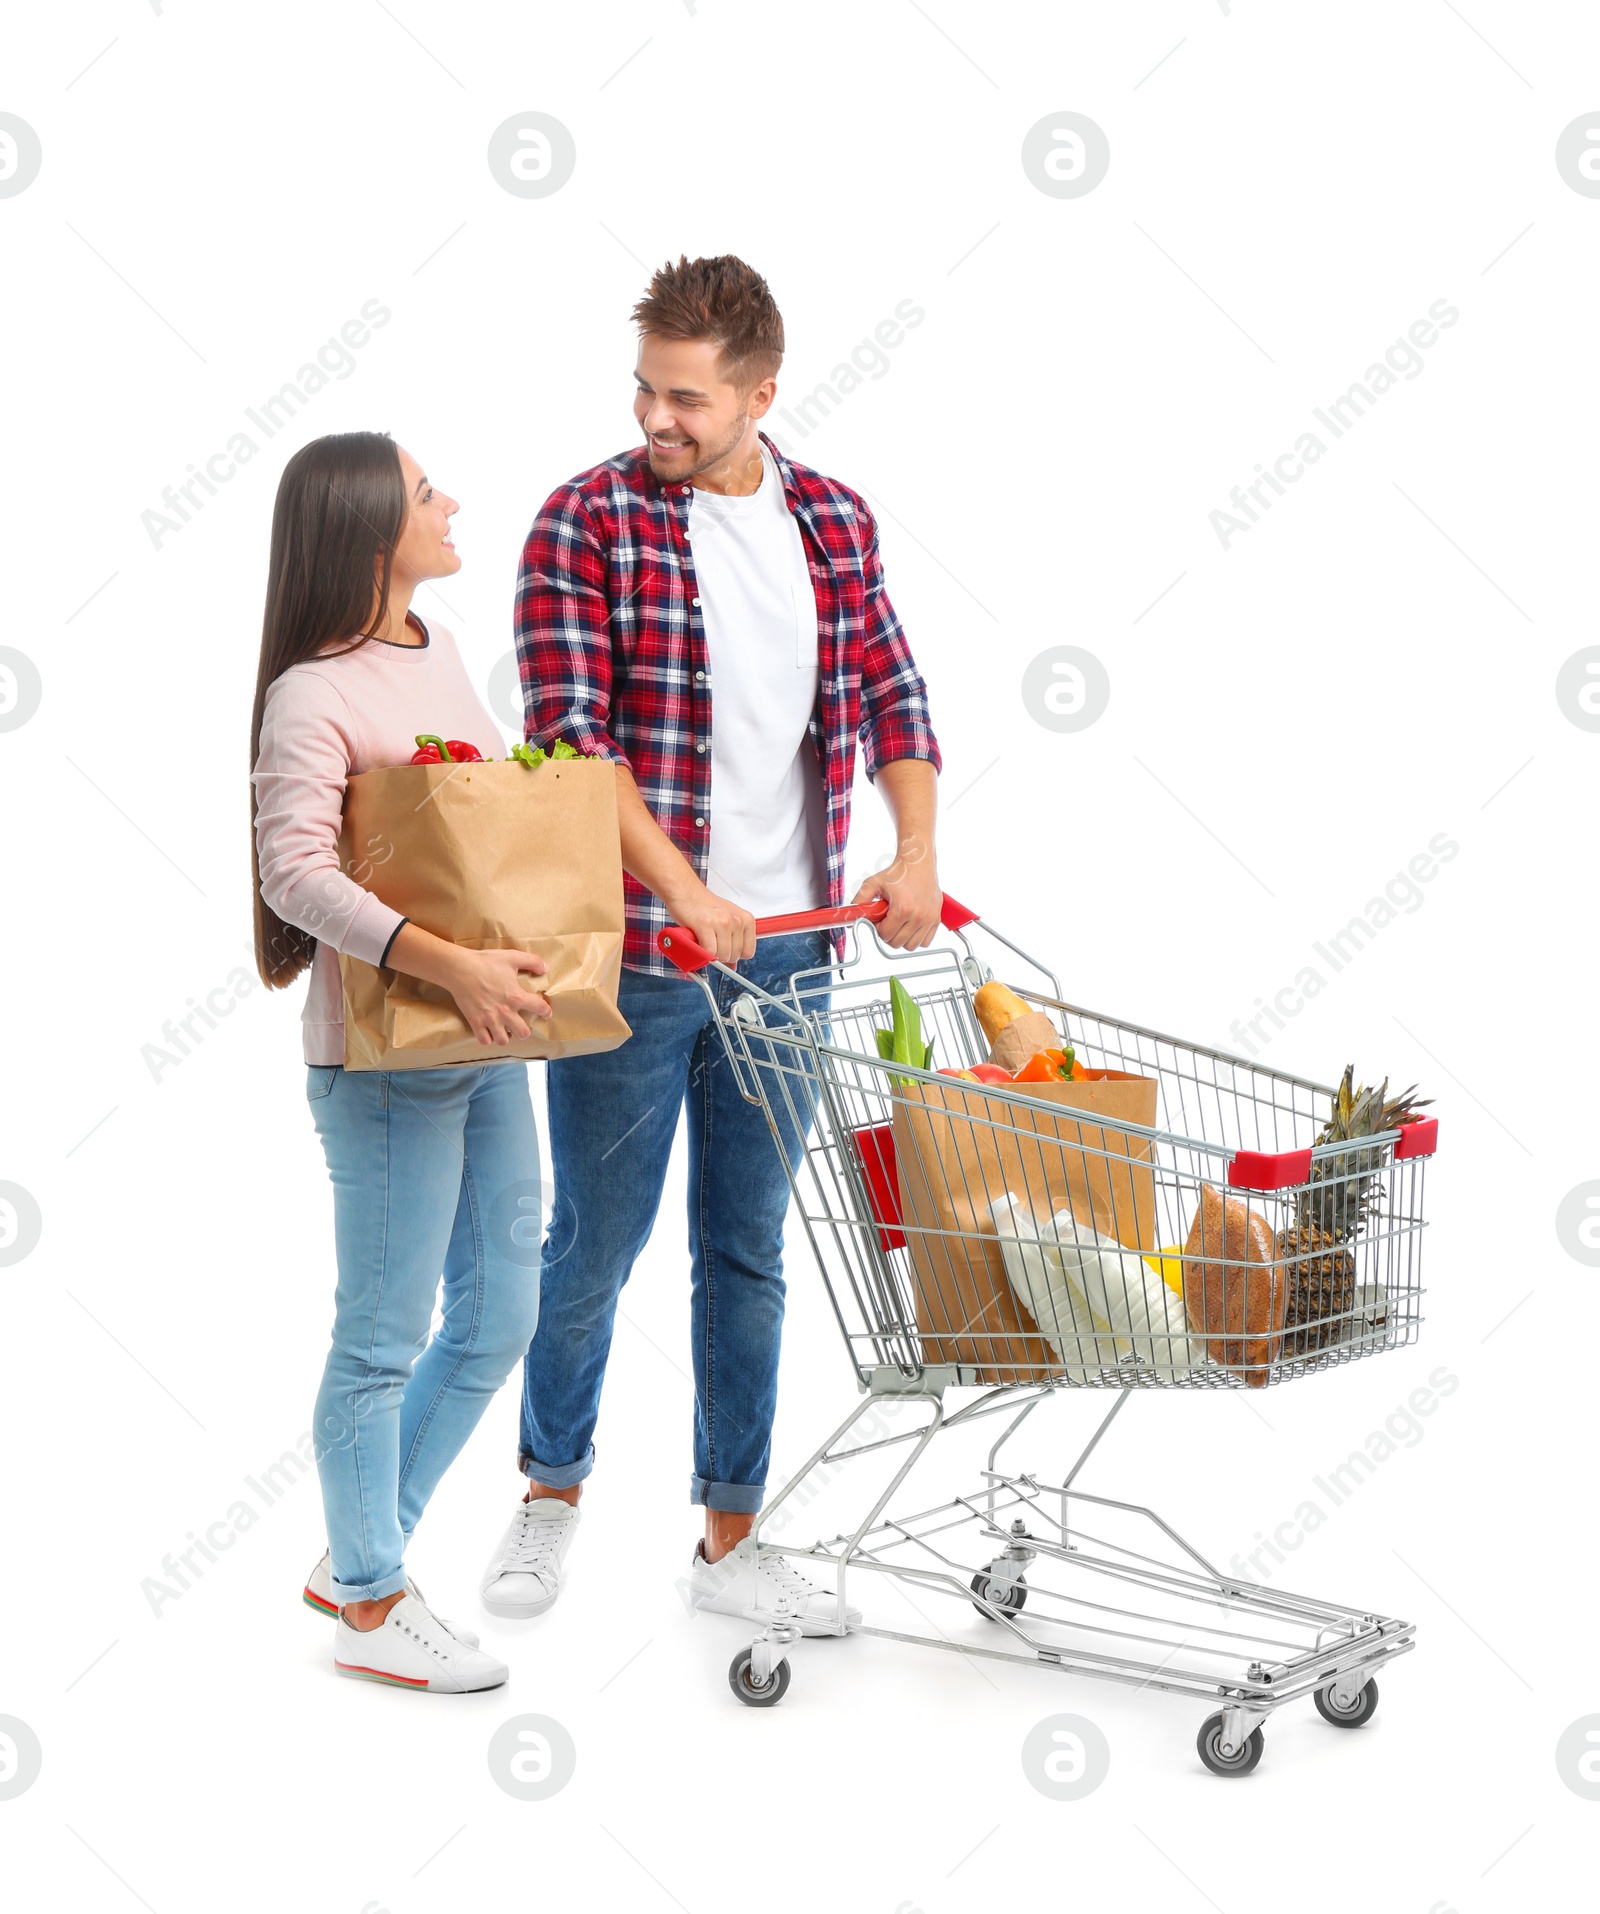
x,y
349,675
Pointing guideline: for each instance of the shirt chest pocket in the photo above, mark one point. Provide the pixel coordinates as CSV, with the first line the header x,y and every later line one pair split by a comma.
x,y
805,625
647,600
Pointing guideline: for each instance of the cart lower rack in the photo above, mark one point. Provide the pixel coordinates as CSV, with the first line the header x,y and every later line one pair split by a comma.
x,y
1165,1218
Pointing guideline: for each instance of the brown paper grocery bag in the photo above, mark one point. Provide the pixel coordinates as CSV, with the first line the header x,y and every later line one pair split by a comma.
x,y
498,857
958,1150
1032,1031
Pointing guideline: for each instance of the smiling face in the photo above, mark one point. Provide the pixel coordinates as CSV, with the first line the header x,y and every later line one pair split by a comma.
x,y
424,548
699,425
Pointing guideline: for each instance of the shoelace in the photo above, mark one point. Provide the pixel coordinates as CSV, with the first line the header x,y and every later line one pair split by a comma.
x,y
412,1589
789,1580
533,1546
424,1640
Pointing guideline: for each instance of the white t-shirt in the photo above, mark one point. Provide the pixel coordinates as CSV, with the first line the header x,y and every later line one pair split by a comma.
x,y
767,831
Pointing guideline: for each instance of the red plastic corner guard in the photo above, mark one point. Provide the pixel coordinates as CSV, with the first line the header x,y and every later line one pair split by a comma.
x,y
1257,1170
1287,1169
956,916
1420,1138
875,1153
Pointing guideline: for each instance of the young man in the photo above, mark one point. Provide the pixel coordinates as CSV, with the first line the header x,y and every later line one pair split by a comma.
x,y
710,616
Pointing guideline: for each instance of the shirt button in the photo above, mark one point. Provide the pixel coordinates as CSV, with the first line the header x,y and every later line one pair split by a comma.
x,y
700,821
694,601
699,676
686,489
701,749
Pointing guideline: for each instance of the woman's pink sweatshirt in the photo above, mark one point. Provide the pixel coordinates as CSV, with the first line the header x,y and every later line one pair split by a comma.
x,y
324,721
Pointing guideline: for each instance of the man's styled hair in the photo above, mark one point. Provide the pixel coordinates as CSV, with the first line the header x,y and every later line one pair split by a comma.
x,y
722,300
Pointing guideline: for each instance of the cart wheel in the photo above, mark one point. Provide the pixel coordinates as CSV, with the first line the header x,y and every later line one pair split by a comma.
x,y
1009,1600
1361,1710
752,1694
1210,1746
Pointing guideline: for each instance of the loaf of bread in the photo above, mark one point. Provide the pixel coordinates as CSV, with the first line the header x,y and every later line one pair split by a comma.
x,y
1234,1294
996,1005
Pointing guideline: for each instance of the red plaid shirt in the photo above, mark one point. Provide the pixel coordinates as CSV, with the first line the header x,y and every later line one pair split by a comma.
x,y
611,649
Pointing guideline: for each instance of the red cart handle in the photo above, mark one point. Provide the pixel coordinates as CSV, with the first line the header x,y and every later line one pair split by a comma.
x,y
679,946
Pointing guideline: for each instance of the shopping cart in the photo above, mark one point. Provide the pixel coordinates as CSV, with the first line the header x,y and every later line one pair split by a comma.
x,y
896,1190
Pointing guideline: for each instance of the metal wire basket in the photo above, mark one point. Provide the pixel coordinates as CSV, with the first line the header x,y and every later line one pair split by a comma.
x,y
904,1185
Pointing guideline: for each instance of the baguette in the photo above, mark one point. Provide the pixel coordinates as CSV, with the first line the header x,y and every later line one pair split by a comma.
x,y
997,1005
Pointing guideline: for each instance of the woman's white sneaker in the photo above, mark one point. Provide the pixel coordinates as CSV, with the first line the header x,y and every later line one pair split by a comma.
x,y
412,1648
751,1583
524,1574
318,1595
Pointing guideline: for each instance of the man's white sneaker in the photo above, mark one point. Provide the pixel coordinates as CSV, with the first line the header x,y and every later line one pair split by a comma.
x,y
318,1595
412,1648
750,1584
524,1574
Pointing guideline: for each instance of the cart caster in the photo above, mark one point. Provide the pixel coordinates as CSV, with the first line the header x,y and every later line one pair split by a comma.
x,y
1008,1597
756,1694
1241,1761
1359,1711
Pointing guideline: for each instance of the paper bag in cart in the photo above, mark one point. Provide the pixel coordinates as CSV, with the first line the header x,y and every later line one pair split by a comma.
x,y
957,1150
496,856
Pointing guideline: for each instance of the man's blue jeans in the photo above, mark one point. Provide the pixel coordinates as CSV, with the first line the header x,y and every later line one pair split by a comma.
x,y
612,1121
432,1170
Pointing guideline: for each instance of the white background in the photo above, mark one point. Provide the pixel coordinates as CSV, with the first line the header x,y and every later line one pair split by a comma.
x,y
1291,720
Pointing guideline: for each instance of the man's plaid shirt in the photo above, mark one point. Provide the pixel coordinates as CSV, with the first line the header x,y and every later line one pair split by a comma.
x,y
612,653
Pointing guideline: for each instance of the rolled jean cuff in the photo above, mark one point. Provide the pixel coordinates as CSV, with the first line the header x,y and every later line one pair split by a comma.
x,y
732,1498
369,1591
557,1475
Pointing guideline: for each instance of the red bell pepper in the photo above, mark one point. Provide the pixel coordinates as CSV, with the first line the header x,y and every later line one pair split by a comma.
x,y
435,750
1049,1066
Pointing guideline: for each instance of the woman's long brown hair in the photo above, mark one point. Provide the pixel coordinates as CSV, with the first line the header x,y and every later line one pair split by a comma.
x,y
340,506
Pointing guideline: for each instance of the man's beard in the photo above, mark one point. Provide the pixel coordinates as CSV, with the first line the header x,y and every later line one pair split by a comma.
x,y
707,459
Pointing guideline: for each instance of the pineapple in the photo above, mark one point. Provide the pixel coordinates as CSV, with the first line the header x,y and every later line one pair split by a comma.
x,y
1322,1286
1330,1210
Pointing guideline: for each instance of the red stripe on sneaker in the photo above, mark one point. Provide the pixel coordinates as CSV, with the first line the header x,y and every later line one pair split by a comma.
x,y
377,1674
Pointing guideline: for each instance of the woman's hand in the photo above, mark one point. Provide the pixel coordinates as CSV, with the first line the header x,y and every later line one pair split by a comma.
x,y
491,991
490,987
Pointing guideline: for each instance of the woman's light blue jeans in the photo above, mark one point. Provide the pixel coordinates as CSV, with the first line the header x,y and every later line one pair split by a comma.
x,y
433,1171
